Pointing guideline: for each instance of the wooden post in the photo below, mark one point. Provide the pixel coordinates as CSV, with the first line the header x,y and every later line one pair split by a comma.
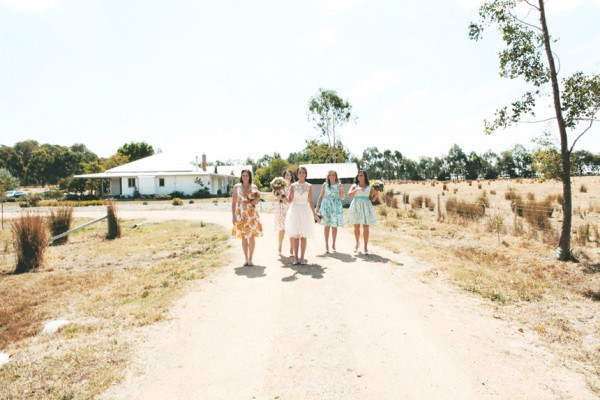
x,y
439,209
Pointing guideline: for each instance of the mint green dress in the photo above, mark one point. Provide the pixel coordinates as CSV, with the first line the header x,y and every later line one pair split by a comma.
x,y
361,209
332,213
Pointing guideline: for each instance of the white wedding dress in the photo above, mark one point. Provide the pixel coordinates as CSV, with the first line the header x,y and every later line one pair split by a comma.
x,y
299,219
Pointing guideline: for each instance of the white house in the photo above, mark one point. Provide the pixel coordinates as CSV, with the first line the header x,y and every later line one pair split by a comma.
x,y
163,173
317,174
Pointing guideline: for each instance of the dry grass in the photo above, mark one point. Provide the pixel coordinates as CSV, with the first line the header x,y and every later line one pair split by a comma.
x,y
30,242
59,221
114,227
105,288
511,262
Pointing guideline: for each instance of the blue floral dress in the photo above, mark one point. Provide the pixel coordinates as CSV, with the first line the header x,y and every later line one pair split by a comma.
x,y
361,209
332,213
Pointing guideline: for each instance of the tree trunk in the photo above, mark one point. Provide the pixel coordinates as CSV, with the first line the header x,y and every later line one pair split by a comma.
x,y
564,244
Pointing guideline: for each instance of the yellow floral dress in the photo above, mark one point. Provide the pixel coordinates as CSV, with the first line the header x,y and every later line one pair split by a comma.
x,y
247,220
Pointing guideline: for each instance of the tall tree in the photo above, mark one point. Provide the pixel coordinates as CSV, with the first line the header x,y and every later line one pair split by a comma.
x,y
528,55
136,150
329,112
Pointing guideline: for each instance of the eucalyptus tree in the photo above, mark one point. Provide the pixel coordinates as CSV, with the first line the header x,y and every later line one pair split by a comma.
x,y
136,150
528,55
329,112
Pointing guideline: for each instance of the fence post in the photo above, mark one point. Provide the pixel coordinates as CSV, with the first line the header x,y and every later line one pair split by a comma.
x,y
439,209
515,220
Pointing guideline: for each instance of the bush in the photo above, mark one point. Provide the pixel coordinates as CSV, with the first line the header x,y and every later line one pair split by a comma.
x,y
465,209
201,194
177,201
114,228
32,200
390,200
60,222
30,241
538,214
55,194
177,194
583,189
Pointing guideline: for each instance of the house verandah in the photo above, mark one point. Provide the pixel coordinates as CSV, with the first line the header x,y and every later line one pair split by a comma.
x,y
163,174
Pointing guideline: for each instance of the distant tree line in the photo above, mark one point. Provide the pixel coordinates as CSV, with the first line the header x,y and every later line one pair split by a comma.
x,y
31,163
516,162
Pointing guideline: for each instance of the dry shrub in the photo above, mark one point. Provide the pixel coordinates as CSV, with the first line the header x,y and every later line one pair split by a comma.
x,y
433,183
470,183
114,228
382,210
530,196
594,207
511,194
417,201
455,190
389,199
465,209
479,186
444,187
60,222
177,201
538,214
406,198
30,241
492,192
587,233
583,188
483,200
429,203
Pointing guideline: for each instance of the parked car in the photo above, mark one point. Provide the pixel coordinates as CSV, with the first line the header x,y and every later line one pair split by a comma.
x,y
15,193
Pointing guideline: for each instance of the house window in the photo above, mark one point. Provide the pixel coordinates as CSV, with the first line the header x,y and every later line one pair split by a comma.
x,y
130,182
161,182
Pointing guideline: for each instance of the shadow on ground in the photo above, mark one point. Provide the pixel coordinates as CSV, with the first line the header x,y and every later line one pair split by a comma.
x,y
256,271
313,270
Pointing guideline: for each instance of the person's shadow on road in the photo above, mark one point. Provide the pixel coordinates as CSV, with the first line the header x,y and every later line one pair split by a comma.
x,y
343,257
256,271
313,270
374,258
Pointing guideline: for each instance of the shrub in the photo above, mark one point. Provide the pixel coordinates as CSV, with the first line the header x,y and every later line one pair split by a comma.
x,y
177,194
417,201
32,200
389,199
177,201
30,241
114,228
530,196
429,203
444,187
583,189
55,194
465,209
538,214
492,191
60,222
202,194
511,194
405,198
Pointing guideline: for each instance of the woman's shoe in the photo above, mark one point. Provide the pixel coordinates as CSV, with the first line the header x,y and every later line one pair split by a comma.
x,y
304,262
246,264
295,262
250,264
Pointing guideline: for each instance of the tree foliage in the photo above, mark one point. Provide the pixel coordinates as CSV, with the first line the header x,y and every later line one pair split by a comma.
x,y
528,55
136,150
328,111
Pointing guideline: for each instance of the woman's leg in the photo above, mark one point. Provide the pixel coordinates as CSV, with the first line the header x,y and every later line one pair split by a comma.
x,y
251,244
302,247
295,247
356,235
245,248
281,235
326,232
334,236
291,246
366,236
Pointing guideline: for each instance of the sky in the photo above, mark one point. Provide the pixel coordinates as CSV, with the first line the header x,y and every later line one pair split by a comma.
x,y
232,79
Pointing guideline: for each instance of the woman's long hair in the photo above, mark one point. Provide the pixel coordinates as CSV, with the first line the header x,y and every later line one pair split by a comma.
x,y
291,173
362,171
337,180
249,176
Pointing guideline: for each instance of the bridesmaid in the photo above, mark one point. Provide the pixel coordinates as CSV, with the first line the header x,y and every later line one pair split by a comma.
x,y
245,218
300,216
361,210
329,205
283,203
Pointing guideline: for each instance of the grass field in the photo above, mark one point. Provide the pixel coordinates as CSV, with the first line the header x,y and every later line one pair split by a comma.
x,y
106,289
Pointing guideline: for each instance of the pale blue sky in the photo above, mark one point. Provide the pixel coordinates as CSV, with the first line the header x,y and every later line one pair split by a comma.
x,y
233,78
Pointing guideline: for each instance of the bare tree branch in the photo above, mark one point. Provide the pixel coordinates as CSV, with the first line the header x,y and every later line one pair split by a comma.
x,y
580,135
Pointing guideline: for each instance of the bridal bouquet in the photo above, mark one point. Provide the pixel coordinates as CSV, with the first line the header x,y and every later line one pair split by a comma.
x,y
278,187
378,185
254,194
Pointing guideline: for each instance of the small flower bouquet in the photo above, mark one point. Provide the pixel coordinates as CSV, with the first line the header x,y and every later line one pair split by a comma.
x,y
278,187
378,185
254,194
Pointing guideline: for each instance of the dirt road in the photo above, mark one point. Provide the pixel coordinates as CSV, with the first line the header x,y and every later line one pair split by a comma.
x,y
344,326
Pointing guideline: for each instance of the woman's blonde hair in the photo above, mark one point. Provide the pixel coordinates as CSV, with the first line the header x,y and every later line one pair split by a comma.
x,y
331,171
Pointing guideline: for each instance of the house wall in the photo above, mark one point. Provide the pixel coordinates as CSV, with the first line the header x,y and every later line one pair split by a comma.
x,y
115,187
150,185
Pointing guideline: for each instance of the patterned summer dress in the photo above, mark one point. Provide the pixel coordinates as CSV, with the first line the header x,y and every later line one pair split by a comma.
x,y
299,219
361,210
247,223
332,213
281,209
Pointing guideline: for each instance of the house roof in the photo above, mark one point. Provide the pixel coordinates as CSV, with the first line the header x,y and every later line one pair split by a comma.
x,y
319,171
160,164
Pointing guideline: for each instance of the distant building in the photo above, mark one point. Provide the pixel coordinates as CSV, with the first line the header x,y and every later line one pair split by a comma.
x,y
164,173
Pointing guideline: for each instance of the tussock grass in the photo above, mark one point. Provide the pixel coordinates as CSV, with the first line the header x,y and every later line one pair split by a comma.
x,y
465,209
105,288
60,221
114,228
390,200
30,241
